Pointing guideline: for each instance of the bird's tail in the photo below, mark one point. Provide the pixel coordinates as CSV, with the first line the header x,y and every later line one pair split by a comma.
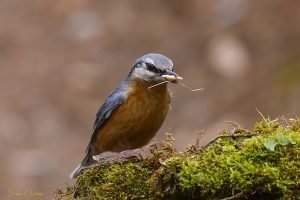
x,y
87,161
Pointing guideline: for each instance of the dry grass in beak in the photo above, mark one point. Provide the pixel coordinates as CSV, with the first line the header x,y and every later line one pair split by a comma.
x,y
190,89
152,86
175,79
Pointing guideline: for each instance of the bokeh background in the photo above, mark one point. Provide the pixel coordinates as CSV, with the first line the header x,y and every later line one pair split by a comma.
x,y
59,60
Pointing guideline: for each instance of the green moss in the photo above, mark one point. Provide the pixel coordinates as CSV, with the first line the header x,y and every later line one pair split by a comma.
x,y
112,181
263,163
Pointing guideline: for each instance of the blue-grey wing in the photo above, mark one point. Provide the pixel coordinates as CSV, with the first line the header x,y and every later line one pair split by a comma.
x,y
113,101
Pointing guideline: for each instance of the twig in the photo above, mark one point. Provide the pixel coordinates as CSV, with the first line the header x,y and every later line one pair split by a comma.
x,y
261,115
286,121
229,136
234,197
238,127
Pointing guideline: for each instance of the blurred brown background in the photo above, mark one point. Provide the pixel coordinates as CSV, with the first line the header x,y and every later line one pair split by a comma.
x,y
59,60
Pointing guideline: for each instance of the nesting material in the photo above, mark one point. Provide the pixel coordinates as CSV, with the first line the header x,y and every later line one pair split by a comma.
x,y
174,79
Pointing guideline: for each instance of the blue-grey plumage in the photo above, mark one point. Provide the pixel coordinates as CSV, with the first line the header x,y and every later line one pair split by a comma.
x,y
132,113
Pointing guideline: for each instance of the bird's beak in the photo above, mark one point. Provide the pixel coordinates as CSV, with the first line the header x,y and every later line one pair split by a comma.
x,y
171,76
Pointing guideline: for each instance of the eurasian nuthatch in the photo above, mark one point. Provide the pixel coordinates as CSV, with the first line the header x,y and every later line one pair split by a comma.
x,y
134,111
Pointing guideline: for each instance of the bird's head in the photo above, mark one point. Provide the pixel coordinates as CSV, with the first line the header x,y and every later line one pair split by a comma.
x,y
154,68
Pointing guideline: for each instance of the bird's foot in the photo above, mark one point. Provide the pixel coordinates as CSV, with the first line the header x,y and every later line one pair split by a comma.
x,y
115,157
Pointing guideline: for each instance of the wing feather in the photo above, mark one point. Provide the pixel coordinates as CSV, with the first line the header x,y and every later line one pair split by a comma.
x,y
113,101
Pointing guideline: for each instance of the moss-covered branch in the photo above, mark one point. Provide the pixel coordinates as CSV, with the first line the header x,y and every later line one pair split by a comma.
x,y
263,163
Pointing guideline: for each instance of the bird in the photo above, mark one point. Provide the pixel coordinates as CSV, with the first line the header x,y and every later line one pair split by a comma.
x,y
134,111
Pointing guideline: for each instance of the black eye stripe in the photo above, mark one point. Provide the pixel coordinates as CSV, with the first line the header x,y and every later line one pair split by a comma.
x,y
152,68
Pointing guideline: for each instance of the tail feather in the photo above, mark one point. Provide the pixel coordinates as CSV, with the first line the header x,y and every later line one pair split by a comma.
x,y
75,172
87,161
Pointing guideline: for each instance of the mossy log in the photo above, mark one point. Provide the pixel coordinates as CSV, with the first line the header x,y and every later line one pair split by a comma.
x,y
263,163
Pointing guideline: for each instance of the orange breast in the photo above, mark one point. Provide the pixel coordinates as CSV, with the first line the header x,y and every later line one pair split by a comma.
x,y
136,121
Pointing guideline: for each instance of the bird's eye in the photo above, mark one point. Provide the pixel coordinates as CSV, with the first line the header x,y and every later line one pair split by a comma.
x,y
152,68
137,65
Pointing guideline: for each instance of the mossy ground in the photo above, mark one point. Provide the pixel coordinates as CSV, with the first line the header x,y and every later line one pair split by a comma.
x,y
263,163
